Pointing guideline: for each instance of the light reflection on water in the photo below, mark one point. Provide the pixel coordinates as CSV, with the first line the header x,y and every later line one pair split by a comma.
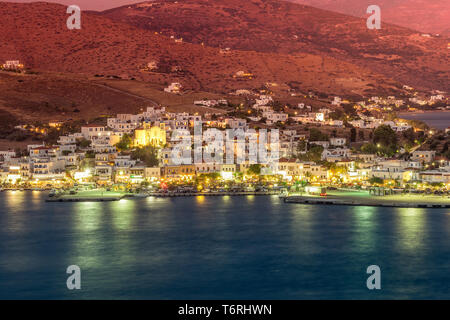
x,y
86,246
302,226
366,225
88,215
200,199
219,248
412,228
123,212
13,202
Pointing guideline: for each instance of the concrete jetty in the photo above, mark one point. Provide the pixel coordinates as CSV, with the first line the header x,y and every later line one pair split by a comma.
x,y
101,196
352,199
76,199
212,194
88,196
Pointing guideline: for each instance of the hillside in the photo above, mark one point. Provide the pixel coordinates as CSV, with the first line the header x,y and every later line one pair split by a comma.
x,y
273,26
431,16
37,35
26,98
52,96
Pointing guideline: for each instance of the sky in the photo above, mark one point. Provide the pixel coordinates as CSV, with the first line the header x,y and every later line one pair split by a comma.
x,y
89,4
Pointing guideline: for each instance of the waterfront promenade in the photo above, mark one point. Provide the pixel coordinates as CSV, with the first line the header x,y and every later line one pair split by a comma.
x,y
99,195
363,198
333,197
88,196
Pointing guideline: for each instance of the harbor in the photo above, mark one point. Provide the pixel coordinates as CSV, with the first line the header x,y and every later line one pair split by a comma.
x,y
341,197
100,195
213,194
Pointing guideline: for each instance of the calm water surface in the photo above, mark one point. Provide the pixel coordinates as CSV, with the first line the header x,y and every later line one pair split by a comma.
x,y
219,248
438,119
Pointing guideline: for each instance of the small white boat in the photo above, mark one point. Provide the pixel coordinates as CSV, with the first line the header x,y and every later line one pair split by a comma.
x,y
140,195
283,193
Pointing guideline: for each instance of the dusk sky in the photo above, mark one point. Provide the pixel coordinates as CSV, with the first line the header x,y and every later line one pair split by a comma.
x,y
91,4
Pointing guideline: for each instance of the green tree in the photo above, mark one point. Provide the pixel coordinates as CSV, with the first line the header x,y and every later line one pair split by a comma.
x,y
337,115
254,169
409,135
214,176
83,143
147,154
376,180
386,140
369,148
317,135
125,142
90,154
314,154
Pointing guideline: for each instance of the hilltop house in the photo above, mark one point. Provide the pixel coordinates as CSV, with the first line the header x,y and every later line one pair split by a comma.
x,y
174,87
13,65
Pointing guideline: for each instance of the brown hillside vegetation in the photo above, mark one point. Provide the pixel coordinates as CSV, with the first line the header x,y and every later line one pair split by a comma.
x,y
37,34
282,27
26,98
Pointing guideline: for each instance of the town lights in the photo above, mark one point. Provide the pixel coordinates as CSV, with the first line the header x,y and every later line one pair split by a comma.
x,y
82,175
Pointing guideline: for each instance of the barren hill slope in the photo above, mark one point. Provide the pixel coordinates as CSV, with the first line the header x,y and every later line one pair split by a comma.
x,y
275,26
422,15
50,96
37,34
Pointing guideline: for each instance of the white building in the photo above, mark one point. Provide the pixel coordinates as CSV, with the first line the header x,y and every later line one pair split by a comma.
x,y
338,142
435,176
336,101
6,155
174,87
90,130
273,117
423,156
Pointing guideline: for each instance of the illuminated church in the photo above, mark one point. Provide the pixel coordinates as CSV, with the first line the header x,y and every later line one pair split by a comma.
x,y
148,135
